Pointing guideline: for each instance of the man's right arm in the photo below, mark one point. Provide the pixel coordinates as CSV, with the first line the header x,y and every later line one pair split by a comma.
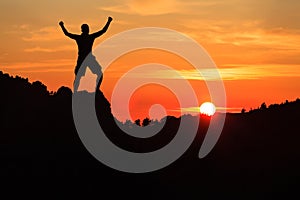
x,y
70,35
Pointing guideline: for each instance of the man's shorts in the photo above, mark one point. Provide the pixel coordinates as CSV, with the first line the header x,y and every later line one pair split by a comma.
x,y
90,62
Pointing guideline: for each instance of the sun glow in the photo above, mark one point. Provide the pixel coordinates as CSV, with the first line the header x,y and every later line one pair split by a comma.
x,y
207,108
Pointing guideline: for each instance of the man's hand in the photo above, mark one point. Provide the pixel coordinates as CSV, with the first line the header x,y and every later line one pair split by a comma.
x,y
61,23
110,18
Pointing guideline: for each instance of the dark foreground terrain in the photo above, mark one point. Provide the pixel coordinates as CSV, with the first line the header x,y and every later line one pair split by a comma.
x,y
256,157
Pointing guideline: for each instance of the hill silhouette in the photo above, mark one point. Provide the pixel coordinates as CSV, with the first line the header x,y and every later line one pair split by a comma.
x,y
257,155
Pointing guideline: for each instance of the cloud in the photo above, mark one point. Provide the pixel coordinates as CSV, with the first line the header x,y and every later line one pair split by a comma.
x,y
3,55
241,33
144,9
195,110
244,72
23,26
248,42
50,33
49,50
155,7
226,73
39,49
57,65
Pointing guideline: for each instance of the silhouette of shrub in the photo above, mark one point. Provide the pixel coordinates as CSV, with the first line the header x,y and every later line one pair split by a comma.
x,y
128,123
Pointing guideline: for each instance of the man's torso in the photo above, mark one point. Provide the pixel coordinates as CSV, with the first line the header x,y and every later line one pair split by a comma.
x,y
85,44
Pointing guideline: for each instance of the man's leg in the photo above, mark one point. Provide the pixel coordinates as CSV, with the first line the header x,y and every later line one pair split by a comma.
x,y
96,69
99,81
80,63
76,82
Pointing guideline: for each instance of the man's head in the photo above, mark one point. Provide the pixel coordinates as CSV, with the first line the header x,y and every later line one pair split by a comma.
x,y
85,29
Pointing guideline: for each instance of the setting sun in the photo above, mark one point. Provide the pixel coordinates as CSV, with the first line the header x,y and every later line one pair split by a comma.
x,y
208,108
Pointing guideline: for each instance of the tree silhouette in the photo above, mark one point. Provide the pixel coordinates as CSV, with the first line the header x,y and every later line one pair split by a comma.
x,y
146,121
138,122
243,110
263,106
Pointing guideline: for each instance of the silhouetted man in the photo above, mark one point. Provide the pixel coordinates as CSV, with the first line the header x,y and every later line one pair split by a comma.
x,y
85,57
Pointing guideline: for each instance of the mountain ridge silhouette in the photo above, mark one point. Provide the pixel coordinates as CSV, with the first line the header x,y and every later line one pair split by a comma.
x,y
257,154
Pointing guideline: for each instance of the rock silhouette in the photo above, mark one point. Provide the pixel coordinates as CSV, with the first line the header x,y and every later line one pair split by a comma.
x,y
257,155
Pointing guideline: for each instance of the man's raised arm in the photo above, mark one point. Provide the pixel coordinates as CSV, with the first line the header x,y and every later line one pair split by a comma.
x,y
70,35
104,29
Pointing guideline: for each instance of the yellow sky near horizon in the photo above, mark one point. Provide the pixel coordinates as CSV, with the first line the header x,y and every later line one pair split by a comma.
x,y
255,44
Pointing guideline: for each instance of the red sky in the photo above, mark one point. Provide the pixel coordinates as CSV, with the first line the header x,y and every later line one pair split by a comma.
x,y
255,45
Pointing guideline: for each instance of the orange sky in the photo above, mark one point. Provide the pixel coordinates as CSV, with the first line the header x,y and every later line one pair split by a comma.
x,y
255,44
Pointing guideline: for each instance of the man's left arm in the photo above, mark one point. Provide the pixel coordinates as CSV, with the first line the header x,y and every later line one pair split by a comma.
x,y
104,29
